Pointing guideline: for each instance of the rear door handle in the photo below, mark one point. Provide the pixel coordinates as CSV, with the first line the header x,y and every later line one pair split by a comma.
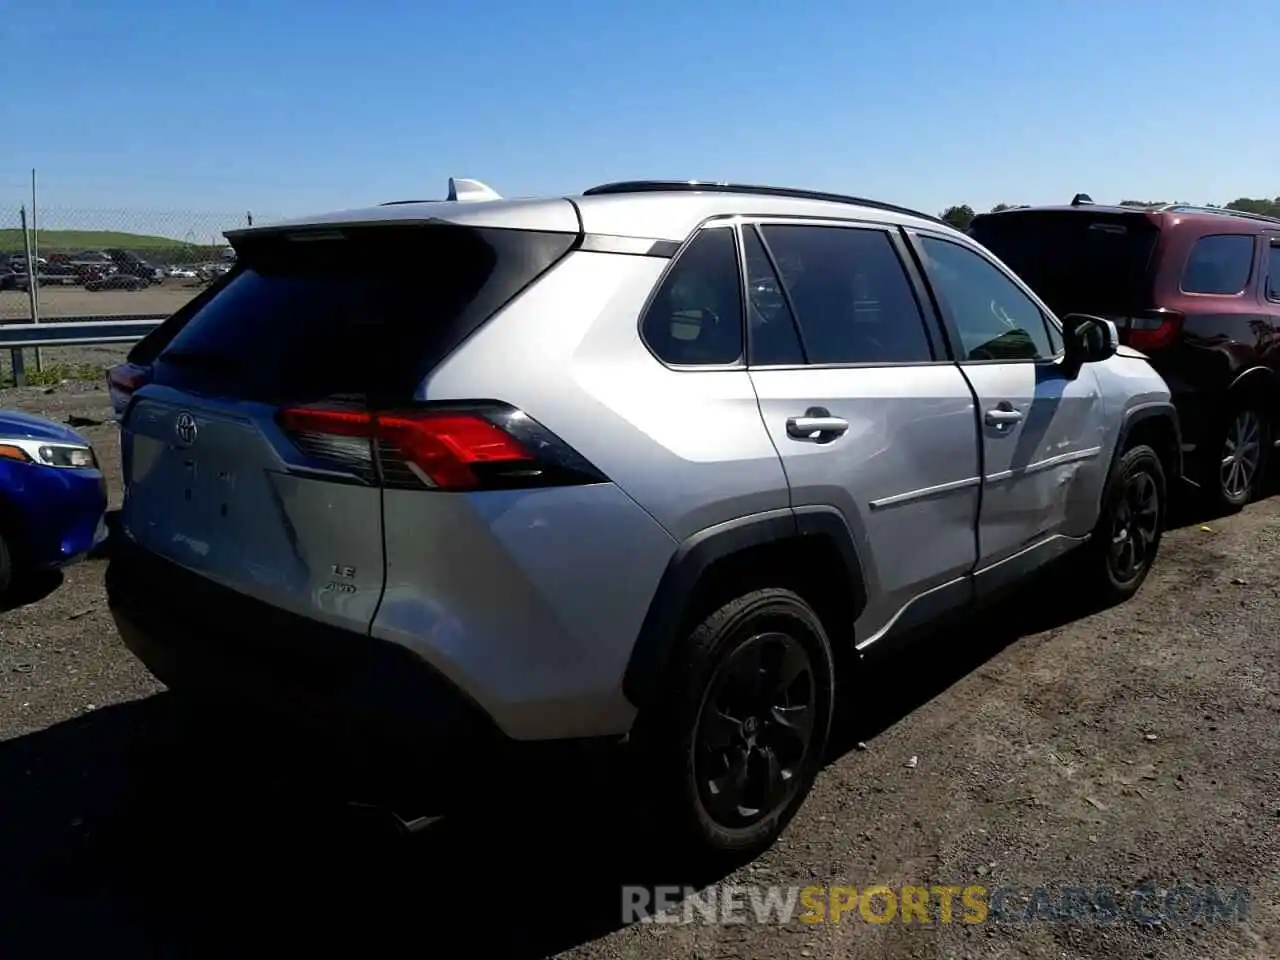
x,y
1002,416
816,424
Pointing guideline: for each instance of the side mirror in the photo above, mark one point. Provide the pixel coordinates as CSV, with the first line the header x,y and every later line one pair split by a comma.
x,y
1089,339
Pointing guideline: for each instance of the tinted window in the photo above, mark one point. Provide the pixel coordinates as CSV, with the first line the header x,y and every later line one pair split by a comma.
x,y
995,319
365,311
851,295
696,315
773,331
1273,272
1219,264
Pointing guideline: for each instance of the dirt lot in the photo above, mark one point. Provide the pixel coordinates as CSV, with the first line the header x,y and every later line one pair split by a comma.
x,y
58,302
1054,747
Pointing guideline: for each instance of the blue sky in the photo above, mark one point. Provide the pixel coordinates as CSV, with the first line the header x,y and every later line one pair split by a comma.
x,y
286,107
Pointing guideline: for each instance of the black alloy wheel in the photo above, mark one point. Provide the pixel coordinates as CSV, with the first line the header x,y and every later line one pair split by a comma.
x,y
1135,527
755,730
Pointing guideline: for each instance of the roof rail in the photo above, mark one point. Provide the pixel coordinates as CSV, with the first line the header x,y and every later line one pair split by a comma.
x,y
706,186
1219,211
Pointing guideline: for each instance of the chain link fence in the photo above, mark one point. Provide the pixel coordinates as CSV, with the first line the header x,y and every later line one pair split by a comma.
x,y
105,262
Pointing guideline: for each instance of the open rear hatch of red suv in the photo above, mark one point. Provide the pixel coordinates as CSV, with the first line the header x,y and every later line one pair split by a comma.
x,y
1084,259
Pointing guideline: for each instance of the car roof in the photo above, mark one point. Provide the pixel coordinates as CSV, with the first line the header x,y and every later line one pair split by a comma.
x,y
1172,213
658,210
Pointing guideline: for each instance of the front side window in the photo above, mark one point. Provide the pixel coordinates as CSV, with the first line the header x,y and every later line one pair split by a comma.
x,y
1219,265
852,299
695,318
993,317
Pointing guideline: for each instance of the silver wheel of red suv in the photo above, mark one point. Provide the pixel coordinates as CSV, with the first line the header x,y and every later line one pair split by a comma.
x,y
1236,457
1241,455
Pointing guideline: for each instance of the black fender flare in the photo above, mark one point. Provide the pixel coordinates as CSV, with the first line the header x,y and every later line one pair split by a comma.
x,y
660,631
1142,413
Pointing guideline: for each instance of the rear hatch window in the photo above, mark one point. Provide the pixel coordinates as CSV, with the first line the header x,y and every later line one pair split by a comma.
x,y
360,311
1077,261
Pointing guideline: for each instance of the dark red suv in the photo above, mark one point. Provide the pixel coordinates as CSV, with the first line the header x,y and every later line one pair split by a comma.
x,y
1195,288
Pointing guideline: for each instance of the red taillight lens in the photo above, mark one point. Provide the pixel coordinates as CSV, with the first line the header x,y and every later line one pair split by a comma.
x,y
330,421
1154,330
125,378
442,449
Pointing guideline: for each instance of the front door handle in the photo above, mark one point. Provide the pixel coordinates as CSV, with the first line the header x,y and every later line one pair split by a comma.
x,y
1002,416
816,424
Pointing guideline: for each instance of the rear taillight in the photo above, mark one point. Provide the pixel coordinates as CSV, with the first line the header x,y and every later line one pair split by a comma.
x,y
124,379
1151,331
455,447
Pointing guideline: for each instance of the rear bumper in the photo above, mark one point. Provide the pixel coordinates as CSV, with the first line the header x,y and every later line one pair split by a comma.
x,y
368,698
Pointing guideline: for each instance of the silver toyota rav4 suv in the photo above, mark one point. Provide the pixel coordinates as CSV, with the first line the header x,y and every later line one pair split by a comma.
x,y
651,465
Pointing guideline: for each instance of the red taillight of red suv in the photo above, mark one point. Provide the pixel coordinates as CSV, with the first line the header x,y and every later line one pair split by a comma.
x,y
1154,330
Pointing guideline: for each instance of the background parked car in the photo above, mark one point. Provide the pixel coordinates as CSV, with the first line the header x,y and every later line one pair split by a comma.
x,y
208,272
1195,288
118,281
128,262
53,496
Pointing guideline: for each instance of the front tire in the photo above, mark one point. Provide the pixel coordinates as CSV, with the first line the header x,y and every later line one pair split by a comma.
x,y
742,727
1130,526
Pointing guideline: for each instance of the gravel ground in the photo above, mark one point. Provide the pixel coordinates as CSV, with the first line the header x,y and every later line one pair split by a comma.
x,y
1054,746
55,302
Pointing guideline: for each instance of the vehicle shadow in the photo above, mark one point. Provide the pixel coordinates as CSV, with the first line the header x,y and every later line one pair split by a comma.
x,y
122,832
128,831
885,689
31,589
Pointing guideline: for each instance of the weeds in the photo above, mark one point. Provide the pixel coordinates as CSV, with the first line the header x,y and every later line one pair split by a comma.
x,y
55,373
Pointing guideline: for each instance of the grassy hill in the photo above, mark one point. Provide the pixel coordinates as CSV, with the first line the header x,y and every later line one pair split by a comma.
x,y
76,241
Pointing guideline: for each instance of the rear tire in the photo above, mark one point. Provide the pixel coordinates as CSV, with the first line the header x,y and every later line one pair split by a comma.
x,y
1130,526
1235,457
742,727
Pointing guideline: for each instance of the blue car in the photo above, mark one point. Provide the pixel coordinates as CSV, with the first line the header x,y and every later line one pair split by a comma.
x,y
53,496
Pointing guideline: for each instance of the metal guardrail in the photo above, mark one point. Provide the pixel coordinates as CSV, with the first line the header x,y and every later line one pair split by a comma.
x,y
72,332
78,332
90,318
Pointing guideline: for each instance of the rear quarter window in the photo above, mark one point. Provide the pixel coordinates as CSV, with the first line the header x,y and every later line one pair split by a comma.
x,y
1219,264
695,317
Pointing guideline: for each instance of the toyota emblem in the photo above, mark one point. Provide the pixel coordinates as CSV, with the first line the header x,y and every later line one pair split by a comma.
x,y
185,428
